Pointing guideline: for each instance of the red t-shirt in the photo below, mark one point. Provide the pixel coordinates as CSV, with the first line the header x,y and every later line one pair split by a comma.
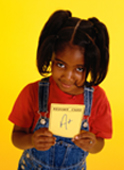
x,y
25,111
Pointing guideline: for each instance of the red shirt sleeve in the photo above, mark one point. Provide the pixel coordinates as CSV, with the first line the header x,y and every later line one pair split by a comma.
x,y
23,111
100,120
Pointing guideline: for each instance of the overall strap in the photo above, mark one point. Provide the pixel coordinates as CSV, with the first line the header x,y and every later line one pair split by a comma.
x,y
88,96
43,94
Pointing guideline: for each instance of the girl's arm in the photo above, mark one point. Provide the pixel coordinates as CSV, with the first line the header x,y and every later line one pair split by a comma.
x,y
22,138
42,139
89,142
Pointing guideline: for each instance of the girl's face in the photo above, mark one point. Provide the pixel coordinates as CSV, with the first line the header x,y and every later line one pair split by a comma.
x,y
68,70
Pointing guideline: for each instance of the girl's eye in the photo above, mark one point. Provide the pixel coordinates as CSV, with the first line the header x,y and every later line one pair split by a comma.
x,y
80,69
60,65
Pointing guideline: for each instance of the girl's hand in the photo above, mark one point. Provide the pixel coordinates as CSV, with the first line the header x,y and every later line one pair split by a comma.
x,y
85,140
43,139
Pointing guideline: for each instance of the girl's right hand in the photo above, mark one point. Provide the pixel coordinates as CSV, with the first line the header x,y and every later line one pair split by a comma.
x,y
43,139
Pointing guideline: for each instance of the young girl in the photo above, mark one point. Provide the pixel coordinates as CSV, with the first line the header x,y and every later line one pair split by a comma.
x,y
72,50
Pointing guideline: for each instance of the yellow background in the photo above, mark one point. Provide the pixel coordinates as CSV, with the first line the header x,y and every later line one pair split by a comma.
x,y
20,25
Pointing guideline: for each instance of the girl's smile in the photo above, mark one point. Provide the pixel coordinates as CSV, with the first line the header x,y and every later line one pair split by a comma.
x,y
68,70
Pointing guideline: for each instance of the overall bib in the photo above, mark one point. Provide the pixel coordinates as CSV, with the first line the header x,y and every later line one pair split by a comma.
x,y
64,155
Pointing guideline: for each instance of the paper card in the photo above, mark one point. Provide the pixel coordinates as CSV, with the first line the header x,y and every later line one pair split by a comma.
x,y
65,119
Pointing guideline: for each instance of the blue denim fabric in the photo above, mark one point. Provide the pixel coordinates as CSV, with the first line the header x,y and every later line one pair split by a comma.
x,y
64,155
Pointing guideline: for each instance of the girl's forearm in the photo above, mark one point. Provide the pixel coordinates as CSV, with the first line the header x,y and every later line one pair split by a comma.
x,y
22,140
98,146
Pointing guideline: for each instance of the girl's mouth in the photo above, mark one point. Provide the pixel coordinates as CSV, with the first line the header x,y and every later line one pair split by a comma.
x,y
66,85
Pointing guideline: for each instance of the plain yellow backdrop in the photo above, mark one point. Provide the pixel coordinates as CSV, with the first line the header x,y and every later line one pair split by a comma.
x,y
20,24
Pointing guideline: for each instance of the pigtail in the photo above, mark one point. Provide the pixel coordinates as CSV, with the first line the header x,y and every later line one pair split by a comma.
x,y
101,39
45,54
54,24
48,38
92,35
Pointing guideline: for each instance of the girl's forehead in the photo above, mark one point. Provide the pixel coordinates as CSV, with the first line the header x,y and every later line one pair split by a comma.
x,y
71,49
71,55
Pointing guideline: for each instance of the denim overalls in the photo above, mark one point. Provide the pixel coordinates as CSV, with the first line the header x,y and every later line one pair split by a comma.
x,y
64,155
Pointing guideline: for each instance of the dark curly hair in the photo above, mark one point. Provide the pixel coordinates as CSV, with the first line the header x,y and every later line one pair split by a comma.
x,y
91,36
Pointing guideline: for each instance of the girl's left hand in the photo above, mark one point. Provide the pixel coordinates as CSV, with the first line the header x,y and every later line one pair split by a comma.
x,y
85,140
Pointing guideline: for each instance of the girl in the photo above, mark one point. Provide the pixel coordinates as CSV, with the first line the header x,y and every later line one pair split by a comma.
x,y
72,50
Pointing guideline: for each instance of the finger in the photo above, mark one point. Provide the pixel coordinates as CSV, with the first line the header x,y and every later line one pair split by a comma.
x,y
83,144
44,143
44,146
85,135
43,132
76,137
46,139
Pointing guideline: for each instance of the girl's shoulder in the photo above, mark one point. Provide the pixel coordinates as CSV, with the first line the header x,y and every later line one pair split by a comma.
x,y
99,95
29,91
31,86
99,91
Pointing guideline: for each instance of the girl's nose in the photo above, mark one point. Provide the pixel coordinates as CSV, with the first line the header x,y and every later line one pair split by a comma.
x,y
68,74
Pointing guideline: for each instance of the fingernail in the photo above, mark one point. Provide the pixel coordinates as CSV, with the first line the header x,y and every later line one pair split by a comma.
x,y
54,143
76,137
